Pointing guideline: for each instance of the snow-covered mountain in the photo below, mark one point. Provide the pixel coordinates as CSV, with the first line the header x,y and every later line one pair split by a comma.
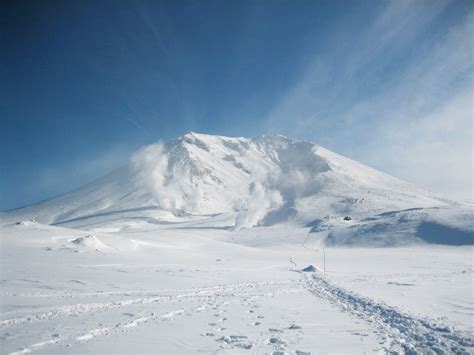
x,y
264,181
213,245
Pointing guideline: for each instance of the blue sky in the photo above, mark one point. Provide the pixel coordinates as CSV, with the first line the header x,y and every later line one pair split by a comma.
x,y
83,84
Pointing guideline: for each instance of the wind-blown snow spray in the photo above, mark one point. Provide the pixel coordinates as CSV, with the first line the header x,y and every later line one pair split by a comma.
x,y
260,200
163,181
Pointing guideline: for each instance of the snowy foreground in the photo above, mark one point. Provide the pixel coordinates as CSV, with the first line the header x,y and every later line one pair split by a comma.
x,y
198,245
189,287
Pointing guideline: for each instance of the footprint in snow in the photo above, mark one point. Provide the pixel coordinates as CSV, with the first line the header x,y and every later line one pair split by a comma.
x,y
360,334
208,334
274,330
234,341
277,342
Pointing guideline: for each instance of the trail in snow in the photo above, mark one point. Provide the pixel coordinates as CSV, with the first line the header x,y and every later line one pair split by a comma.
x,y
50,313
397,330
207,298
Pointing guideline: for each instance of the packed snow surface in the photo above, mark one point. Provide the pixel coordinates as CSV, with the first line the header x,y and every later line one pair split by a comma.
x,y
204,243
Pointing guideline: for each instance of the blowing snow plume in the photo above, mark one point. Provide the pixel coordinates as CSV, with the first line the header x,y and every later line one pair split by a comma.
x,y
259,201
273,192
300,167
161,179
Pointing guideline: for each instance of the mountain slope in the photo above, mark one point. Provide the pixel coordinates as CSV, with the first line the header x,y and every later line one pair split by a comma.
x,y
262,181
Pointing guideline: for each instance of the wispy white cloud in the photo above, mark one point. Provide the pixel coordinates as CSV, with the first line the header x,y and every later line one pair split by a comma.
x,y
435,150
414,121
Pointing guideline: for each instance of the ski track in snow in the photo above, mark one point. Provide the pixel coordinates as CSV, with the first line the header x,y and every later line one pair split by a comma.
x,y
398,331
211,297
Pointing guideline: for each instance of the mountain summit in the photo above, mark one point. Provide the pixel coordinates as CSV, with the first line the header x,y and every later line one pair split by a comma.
x,y
263,181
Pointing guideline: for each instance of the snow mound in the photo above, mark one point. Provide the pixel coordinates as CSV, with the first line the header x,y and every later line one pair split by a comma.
x,y
90,242
309,268
30,222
